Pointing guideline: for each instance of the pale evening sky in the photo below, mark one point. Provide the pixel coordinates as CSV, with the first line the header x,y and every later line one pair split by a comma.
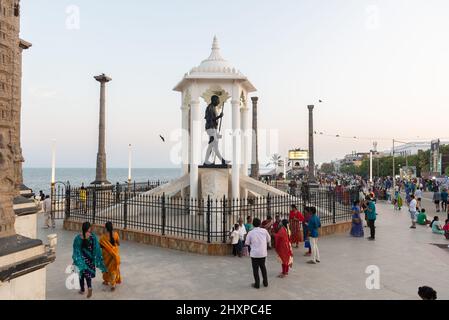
x,y
381,67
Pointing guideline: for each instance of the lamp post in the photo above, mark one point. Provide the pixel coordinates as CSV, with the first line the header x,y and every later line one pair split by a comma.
x,y
129,164
53,168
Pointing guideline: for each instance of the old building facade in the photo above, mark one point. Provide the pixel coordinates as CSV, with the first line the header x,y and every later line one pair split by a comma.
x,y
11,47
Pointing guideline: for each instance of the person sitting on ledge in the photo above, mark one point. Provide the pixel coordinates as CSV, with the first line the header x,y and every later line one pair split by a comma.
x,y
422,218
436,226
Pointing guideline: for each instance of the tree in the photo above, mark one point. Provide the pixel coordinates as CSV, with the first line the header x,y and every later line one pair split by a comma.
x,y
327,168
276,161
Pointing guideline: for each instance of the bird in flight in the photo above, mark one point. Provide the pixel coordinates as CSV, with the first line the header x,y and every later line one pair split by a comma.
x,y
320,101
162,138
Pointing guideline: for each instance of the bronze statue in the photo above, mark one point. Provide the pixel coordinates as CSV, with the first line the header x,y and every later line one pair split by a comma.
x,y
211,129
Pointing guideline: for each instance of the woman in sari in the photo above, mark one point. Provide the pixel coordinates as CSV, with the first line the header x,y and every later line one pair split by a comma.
x,y
296,219
87,257
357,224
110,243
284,248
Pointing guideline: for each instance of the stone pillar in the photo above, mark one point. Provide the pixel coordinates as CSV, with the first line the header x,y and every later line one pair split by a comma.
x,y
255,149
101,155
312,179
195,143
236,142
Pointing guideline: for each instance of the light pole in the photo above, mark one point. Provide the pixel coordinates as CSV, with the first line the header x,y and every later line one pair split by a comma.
x,y
371,166
53,168
129,164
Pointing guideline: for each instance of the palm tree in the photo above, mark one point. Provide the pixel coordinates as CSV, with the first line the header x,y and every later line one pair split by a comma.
x,y
276,161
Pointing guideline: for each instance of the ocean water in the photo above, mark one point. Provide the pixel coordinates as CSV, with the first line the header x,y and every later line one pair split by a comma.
x,y
40,178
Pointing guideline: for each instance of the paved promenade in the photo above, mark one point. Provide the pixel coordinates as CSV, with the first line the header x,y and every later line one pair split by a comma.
x,y
406,259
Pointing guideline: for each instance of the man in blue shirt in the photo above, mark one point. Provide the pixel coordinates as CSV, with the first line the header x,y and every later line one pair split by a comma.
x,y
313,225
371,217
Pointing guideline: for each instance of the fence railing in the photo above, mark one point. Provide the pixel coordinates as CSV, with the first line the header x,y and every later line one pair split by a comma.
x,y
199,219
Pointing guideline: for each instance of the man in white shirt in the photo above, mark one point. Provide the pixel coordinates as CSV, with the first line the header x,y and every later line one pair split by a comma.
x,y
242,230
412,210
259,240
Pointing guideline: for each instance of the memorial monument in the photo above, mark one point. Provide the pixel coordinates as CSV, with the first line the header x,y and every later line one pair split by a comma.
x,y
213,84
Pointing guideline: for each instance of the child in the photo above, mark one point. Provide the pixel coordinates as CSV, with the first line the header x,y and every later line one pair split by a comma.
x,y
422,218
436,226
235,240
446,229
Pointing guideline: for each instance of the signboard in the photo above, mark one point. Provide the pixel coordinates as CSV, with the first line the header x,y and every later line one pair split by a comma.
x,y
435,156
408,173
298,155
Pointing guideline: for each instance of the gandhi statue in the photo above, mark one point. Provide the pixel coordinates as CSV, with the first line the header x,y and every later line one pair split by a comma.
x,y
211,129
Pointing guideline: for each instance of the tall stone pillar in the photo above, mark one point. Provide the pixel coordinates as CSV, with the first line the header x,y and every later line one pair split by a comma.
x,y
255,147
312,179
101,155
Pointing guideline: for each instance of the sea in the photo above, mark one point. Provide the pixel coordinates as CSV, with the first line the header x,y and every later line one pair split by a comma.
x,y
40,178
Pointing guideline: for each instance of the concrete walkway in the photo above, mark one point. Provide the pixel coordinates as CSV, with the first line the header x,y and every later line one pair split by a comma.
x,y
406,259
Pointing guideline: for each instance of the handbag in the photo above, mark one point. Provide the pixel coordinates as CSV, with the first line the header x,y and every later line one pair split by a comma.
x,y
307,244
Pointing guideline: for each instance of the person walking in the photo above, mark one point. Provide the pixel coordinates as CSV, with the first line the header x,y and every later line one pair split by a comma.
x,y
313,226
413,211
110,243
418,196
436,198
87,256
371,216
284,248
49,216
258,239
444,199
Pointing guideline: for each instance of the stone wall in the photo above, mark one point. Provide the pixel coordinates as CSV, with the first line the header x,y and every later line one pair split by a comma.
x,y
192,246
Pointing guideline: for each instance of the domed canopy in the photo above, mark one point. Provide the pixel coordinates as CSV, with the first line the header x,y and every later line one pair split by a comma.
x,y
215,67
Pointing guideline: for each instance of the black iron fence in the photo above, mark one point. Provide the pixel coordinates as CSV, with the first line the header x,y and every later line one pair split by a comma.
x,y
200,219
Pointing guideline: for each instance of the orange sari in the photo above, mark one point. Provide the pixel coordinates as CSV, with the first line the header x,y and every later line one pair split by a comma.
x,y
111,257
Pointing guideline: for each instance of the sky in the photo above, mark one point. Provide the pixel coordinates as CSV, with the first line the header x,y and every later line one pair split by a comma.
x,y
380,66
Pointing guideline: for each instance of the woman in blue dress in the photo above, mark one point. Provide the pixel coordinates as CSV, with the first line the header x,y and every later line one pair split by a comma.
x,y
87,256
357,225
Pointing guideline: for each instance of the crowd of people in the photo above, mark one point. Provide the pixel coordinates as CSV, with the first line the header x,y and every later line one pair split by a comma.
x,y
256,237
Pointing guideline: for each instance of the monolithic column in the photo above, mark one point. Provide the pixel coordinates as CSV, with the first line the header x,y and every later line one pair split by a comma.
x,y
101,155
312,179
255,149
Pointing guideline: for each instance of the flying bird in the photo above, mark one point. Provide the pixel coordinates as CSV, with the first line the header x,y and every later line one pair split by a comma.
x,y
162,138
320,101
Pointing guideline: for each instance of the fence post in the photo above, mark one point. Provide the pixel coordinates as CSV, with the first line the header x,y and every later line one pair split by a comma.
x,y
268,204
125,211
163,214
94,204
208,219
224,219
333,207
67,202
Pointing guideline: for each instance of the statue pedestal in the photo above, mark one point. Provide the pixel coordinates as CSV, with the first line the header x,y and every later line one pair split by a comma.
x,y
215,184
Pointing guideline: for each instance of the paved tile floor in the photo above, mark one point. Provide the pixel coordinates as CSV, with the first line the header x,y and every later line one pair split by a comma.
x,y
406,259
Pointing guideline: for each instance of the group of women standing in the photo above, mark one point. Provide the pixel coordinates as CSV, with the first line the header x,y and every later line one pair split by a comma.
x,y
90,253
291,232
